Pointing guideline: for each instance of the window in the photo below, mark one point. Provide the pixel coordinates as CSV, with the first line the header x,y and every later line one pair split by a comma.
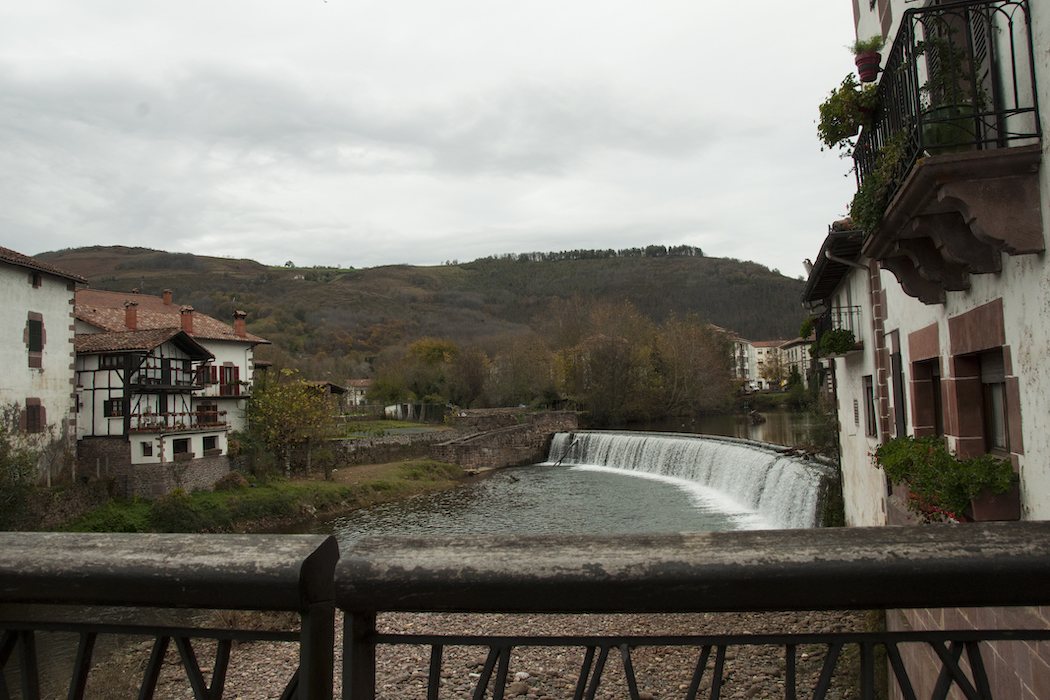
x,y
113,408
211,442
36,421
870,425
229,380
147,448
993,400
180,446
208,414
34,339
36,279
111,361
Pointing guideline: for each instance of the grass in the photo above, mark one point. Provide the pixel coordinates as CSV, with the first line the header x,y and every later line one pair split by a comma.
x,y
379,428
262,505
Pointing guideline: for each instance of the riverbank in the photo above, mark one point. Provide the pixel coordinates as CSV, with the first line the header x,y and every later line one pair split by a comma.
x,y
238,505
259,670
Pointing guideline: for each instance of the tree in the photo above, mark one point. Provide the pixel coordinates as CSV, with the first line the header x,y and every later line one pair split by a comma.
x,y
773,371
286,412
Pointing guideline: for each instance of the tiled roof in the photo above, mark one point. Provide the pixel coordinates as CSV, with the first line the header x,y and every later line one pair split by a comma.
x,y
768,343
106,311
136,341
359,383
15,258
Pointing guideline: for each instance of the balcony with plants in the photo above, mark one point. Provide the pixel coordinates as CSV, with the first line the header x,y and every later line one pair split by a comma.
x,y
948,150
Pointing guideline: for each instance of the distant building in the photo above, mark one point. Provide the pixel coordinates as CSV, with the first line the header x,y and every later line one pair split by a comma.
x,y
36,319
796,357
768,362
357,391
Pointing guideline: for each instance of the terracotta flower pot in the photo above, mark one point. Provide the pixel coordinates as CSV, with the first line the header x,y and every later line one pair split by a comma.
x,y
987,506
868,65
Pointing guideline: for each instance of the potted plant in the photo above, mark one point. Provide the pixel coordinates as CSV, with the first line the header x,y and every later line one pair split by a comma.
x,y
867,57
942,486
847,108
837,341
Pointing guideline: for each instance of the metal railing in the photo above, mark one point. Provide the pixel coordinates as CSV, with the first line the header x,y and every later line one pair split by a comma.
x,y
992,564
57,581
841,318
171,422
959,76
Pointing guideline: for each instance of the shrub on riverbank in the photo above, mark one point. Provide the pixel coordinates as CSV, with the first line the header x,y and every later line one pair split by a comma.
x,y
242,506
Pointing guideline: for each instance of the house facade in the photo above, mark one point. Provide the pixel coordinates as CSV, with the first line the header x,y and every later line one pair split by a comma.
x,y
357,391
225,380
36,386
138,419
769,365
942,275
795,357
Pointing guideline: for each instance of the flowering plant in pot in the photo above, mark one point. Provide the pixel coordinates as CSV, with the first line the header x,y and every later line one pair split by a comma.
x,y
867,57
847,108
942,486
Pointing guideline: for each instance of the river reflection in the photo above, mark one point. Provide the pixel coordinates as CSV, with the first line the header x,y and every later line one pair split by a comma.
x,y
781,427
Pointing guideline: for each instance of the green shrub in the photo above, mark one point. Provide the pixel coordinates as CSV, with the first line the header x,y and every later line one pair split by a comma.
x,y
115,516
941,484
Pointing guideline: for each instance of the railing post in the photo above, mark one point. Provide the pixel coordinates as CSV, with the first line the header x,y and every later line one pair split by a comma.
x,y
359,656
316,644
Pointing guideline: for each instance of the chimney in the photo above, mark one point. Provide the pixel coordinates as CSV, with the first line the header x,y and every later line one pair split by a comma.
x,y
240,325
167,297
131,315
187,319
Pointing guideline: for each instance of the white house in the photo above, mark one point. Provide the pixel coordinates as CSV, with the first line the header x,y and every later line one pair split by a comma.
x,y
948,288
357,391
225,381
36,384
137,414
795,357
767,361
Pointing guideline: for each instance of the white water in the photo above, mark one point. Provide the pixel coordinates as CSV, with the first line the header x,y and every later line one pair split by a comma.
x,y
778,490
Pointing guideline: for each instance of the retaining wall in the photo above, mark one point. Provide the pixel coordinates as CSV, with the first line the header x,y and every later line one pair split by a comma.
x,y
110,458
525,442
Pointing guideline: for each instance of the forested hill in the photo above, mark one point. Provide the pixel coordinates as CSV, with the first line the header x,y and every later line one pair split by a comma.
x,y
334,311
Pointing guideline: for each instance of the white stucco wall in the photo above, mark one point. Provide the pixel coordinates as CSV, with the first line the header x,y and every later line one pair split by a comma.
x,y
52,383
240,355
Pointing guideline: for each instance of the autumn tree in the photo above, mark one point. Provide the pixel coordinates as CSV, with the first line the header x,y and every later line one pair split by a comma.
x,y
286,412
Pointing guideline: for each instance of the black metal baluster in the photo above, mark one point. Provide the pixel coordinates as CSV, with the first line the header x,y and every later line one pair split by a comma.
x,y
152,673
501,674
718,680
628,671
486,674
434,680
900,672
790,672
192,668
585,672
828,670
82,665
698,672
30,674
951,671
596,677
980,676
222,663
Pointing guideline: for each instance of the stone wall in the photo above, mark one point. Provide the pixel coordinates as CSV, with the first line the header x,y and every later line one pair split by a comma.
x,y
1016,670
521,443
110,458
389,448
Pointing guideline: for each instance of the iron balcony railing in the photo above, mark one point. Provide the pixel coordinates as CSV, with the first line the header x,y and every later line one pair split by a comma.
x,y
55,581
959,76
841,318
167,422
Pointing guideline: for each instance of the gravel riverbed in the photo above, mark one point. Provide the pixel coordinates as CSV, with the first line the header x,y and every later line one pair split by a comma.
x,y
260,670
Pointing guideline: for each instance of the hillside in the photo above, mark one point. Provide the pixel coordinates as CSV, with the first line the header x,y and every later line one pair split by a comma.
x,y
332,311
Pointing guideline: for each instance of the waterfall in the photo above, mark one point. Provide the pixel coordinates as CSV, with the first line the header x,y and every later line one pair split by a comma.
x,y
782,489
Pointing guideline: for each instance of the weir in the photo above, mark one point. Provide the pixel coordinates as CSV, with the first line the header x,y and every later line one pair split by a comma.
x,y
784,490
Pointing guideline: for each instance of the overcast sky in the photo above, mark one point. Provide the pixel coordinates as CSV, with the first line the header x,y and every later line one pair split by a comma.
x,y
363,133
